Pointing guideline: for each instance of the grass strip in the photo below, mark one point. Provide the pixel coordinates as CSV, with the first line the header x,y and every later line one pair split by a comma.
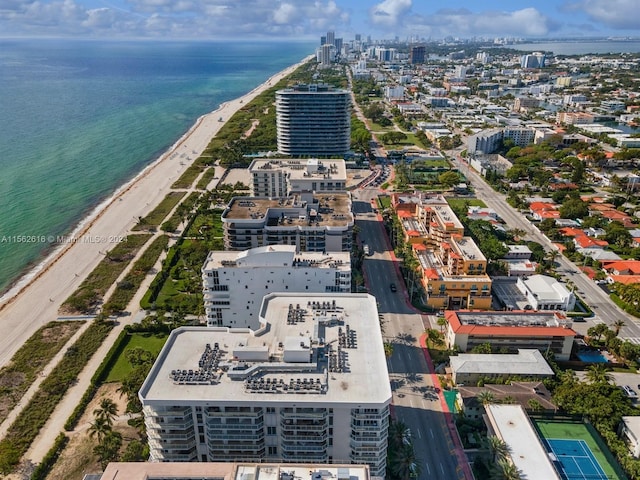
x,y
127,288
158,214
17,376
35,414
90,292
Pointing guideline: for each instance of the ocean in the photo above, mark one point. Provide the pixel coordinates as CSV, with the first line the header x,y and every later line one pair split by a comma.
x,y
80,118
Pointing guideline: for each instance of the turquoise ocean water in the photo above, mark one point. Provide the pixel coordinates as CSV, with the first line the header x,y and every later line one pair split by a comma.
x,y
80,118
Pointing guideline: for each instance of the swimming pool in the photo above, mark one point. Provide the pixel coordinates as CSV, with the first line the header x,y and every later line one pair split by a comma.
x,y
593,356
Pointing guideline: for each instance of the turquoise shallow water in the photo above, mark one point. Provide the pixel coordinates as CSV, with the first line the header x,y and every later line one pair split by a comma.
x,y
78,119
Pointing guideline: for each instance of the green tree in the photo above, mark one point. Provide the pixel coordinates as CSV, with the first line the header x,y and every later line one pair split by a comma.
x,y
597,331
442,322
598,373
99,428
107,450
617,326
482,348
486,397
574,208
388,349
433,337
106,412
449,179
498,449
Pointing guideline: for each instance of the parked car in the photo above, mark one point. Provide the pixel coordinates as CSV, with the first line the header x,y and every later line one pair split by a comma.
x,y
393,287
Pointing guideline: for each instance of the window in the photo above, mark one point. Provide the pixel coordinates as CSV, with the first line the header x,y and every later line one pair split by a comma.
x,y
271,431
273,450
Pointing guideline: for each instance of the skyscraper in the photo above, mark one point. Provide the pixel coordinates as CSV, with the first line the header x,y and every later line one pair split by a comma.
x,y
331,38
313,120
417,54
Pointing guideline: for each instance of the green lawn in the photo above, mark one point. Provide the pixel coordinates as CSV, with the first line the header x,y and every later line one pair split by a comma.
x,y
568,430
149,342
459,203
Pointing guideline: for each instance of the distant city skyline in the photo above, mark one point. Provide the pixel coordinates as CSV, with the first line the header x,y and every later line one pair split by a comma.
x,y
308,19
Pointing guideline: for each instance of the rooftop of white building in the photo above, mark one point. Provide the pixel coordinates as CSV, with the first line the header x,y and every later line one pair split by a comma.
x,y
512,425
325,210
319,348
276,256
233,471
331,169
545,288
525,362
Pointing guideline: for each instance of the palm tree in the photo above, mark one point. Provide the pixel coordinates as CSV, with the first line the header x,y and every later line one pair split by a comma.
x,y
505,470
403,463
442,322
498,448
434,337
486,397
107,411
399,433
99,429
617,325
388,349
598,374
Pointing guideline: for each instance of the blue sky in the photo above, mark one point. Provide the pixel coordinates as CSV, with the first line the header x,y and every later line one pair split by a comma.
x,y
310,18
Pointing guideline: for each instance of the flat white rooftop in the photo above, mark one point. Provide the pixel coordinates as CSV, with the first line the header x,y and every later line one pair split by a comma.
x,y
276,256
512,425
330,169
232,471
525,362
312,348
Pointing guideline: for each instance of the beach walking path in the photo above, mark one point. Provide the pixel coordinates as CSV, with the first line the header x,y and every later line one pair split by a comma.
x,y
27,308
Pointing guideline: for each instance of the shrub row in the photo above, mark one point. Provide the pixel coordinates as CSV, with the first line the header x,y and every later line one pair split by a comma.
x,y
42,470
31,358
191,173
96,380
624,306
127,288
35,414
93,288
206,178
158,214
187,205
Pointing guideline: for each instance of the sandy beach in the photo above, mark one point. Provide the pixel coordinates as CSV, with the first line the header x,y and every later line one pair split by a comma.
x,y
36,301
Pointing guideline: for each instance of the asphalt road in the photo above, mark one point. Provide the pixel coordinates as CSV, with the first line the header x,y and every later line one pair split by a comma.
x,y
416,401
605,311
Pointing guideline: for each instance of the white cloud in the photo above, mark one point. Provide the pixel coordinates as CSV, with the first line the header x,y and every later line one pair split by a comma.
x,y
286,14
166,18
389,13
617,14
462,22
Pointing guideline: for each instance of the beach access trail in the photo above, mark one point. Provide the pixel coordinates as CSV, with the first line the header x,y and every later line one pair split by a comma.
x,y
34,304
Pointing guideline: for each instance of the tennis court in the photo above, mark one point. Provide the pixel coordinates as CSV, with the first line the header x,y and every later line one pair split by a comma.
x,y
579,452
578,463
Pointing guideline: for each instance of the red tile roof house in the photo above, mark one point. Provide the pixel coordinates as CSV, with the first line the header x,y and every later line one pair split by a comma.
x,y
622,267
514,329
542,210
583,241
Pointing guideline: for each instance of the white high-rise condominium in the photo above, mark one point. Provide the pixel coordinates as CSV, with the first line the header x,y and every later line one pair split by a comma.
x,y
234,283
311,385
313,120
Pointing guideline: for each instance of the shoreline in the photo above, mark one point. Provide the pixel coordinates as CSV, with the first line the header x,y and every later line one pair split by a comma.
x,y
35,298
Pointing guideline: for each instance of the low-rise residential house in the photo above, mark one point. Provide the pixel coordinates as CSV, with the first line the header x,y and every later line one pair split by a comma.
x,y
546,293
549,332
530,395
469,368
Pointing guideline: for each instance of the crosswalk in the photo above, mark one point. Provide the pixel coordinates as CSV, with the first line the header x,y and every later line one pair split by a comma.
x,y
635,340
